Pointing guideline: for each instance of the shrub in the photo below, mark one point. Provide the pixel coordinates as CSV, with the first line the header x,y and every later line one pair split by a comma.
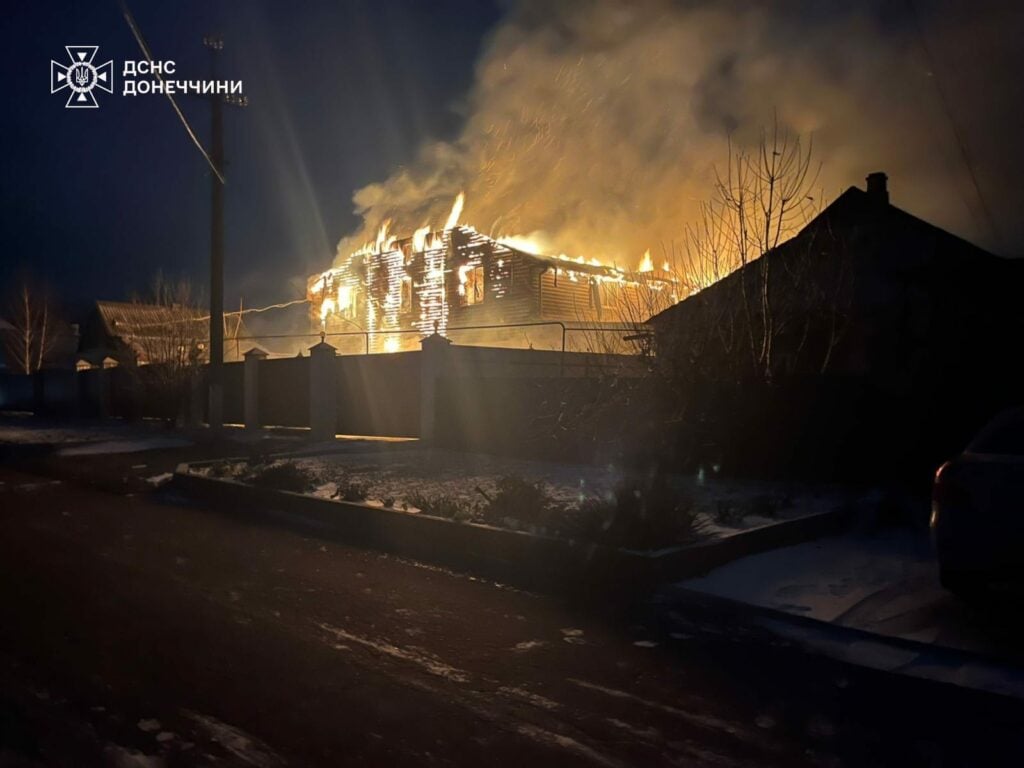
x,y
645,512
765,506
442,505
224,468
521,503
728,513
351,490
282,476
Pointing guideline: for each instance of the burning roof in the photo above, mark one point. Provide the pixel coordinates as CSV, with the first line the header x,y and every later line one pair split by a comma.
x,y
418,281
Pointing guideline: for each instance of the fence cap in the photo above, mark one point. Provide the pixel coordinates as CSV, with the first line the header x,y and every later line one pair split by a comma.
x,y
435,340
255,352
322,348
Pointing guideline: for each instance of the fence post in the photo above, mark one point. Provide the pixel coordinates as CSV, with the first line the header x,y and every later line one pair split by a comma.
x,y
323,399
251,387
434,357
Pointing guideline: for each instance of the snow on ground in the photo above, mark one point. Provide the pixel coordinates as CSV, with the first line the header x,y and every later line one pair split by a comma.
x,y
87,437
886,584
823,579
403,472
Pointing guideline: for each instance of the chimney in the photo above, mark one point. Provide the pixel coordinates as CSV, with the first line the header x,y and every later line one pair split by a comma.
x,y
878,191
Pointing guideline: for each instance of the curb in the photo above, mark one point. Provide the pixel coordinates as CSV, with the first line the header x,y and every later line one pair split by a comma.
x,y
894,655
515,557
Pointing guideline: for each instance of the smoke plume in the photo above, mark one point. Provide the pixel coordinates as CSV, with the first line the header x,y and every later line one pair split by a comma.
x,y
595,124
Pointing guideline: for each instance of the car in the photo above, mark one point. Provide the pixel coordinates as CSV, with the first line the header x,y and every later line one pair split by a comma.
x,y
977,518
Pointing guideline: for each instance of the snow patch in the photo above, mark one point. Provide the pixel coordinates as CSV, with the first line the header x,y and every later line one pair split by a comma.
x,y
570,744
118,757
246,748
432,665
532,698
528,645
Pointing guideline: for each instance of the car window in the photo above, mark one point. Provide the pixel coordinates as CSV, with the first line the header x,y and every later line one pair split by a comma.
x,y
1003,436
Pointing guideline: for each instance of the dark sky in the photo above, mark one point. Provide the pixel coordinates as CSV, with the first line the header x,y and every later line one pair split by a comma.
x,y
95,202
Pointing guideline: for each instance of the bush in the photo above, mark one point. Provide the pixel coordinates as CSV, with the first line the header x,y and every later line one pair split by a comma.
x,y
282,476
645,512
443,505
765,506
351,490
224,468
728,513
521,504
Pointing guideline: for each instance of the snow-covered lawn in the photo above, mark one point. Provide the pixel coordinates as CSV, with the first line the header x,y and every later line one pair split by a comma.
x,y
887,584
400,474
87,438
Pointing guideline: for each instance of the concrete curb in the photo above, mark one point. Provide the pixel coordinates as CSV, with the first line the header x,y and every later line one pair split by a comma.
x,y
851,645
515,557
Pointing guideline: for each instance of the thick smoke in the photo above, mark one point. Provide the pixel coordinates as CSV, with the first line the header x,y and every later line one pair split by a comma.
x,y
596,123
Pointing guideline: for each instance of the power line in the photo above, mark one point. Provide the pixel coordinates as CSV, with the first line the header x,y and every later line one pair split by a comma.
x,y
181,116
947,108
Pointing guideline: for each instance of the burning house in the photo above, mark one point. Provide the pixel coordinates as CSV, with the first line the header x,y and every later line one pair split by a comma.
x,y
481,290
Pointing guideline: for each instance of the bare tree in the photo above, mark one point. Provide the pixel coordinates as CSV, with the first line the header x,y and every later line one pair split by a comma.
x,y
168,334
762,198
34,332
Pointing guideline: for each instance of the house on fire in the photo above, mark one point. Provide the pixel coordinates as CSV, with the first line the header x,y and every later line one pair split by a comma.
x,y
401,290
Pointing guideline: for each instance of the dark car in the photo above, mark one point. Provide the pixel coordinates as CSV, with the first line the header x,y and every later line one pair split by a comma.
x,y
977,517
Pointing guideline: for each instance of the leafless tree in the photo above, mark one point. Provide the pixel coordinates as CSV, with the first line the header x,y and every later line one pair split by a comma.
x,y
762,199
168,333
34,331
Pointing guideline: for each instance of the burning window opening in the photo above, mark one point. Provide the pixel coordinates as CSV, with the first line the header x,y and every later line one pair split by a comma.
x,y
401,288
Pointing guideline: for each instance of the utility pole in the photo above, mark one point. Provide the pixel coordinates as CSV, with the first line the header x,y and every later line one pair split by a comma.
x,y
216,370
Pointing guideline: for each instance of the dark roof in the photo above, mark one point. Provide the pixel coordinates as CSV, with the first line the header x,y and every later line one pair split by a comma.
x,y
852,209
121,318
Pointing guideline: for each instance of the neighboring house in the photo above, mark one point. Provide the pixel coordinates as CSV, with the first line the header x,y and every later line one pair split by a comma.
x,y
459,278
127,333
865,289
891,342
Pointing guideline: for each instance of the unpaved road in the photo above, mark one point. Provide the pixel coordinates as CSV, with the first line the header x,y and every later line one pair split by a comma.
x,y
139,631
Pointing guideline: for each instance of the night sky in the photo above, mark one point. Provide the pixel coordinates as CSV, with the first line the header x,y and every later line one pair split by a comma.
x,y
344,94
95,202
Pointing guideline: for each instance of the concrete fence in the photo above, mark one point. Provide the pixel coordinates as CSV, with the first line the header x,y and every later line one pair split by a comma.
x,y
398,394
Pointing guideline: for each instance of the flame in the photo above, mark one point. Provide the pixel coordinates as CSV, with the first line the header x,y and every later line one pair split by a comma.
x,y
666,267
326,308
453,217
646,265
344,296
382,237
419,239
464,271
522,243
